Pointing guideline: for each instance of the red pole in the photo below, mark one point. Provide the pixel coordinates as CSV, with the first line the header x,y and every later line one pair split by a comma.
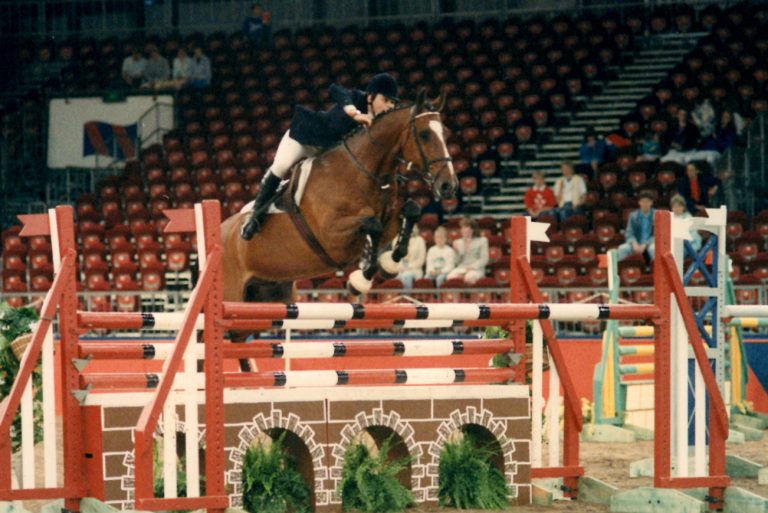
x,y
151,413
131,350
72,414
662,423
214,359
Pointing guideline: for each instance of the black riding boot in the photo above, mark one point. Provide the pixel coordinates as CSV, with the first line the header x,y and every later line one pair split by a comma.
x,y
267,189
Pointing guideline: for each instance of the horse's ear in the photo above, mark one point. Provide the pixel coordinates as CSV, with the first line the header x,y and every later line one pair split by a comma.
x,y
439,102
420,100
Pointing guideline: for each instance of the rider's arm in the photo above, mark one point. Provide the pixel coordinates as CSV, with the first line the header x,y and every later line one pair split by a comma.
x,y
346,98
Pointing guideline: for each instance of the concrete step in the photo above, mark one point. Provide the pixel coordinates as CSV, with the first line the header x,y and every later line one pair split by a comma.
x,y
601,114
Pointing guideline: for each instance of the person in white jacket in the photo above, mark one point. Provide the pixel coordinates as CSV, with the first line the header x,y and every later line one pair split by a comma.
x,y
441,258
472,251
412,265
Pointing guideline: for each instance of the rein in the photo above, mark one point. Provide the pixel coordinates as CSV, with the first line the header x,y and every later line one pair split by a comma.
x,y
426,164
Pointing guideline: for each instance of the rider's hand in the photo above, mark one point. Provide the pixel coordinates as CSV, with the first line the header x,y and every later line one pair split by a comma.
x,y
363,119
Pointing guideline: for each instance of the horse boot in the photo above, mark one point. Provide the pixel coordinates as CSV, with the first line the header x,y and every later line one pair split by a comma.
x,y
267,189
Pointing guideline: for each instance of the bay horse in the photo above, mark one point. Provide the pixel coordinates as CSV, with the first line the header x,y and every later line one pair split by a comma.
x,y
350,206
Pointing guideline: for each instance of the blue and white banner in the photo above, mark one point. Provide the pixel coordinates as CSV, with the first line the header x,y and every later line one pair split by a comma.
x,y
87,132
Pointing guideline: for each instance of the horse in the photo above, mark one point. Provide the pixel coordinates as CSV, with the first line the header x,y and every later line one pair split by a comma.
x,y
349,207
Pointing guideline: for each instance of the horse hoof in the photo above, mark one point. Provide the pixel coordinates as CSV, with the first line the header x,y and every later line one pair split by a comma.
x,y
385,275
387,264
357,282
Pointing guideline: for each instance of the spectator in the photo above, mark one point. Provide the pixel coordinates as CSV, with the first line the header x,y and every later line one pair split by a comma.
x,y
639,232
591,153
441,258
720,139
539,199
256,26
156,71
201,69
411,267
651,149
697,188
182,69
133,68
684,140
677,204
472,253
570,191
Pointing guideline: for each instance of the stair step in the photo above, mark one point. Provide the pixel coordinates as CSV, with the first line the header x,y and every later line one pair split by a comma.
x,y
559,146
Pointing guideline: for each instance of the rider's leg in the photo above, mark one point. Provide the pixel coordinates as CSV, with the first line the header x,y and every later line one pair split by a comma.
x,y
289,151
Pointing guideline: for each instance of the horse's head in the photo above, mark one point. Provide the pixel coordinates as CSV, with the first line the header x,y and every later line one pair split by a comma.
x,y
424,149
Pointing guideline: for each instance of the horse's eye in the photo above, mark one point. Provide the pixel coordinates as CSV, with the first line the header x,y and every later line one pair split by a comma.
x,y
424,135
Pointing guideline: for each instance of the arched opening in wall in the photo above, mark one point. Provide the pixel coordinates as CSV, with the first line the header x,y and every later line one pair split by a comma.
x,y
471,469
296,458
376,474
482,438
375,437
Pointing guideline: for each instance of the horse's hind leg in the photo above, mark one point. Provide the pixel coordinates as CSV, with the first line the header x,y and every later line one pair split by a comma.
x,y
360,280
411,212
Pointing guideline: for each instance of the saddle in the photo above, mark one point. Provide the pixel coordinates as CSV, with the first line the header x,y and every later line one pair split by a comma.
x,y
287,199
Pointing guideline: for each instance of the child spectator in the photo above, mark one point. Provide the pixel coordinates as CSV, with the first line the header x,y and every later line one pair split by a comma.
x,y
441,258
539,199
472,251
679,210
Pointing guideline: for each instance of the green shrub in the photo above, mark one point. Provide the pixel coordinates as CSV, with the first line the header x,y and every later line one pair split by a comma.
x,y
271,483
468,477
369,483
15,322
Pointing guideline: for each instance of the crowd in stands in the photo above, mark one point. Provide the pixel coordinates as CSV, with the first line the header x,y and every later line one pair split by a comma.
x,y
507,81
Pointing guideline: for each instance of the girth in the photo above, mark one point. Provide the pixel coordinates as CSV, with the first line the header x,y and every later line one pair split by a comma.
x,y
288,201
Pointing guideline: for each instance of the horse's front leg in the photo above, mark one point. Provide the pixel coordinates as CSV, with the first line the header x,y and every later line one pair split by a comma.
x,y
388,260
360,281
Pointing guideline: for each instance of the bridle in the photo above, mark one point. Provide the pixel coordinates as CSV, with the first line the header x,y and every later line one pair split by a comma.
x,y
426,164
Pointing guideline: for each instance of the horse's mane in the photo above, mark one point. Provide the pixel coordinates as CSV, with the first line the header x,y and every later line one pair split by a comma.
x,y
360,129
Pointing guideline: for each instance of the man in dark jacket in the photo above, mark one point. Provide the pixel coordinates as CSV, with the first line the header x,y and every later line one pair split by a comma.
x,y
311,132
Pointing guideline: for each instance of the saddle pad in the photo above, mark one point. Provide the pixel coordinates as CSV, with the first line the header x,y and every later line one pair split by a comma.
x,y
304,170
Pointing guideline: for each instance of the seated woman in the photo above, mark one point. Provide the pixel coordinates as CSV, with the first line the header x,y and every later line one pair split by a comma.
x,y
472,253
412,265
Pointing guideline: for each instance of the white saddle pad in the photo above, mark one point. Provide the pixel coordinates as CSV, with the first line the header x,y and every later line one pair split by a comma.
x,y
306,168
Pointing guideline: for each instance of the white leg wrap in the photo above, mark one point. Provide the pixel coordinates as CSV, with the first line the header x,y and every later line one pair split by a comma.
x,y
386,263
359,283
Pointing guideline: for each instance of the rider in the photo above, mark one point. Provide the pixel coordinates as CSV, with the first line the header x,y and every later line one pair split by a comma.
x,y
312,130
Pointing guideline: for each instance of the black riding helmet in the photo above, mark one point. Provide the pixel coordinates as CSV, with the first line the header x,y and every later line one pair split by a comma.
x,y
385,85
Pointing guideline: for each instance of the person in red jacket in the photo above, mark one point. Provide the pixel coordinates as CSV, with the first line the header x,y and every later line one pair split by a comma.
x,y
539,199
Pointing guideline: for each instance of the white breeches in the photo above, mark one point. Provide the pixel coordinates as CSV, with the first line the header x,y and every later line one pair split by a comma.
x,y
289,151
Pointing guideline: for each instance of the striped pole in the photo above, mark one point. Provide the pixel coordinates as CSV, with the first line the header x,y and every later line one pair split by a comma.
x,y
170,321
435,311
749,322
636,368
637,350
760,311
134,350
416,376
636,331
